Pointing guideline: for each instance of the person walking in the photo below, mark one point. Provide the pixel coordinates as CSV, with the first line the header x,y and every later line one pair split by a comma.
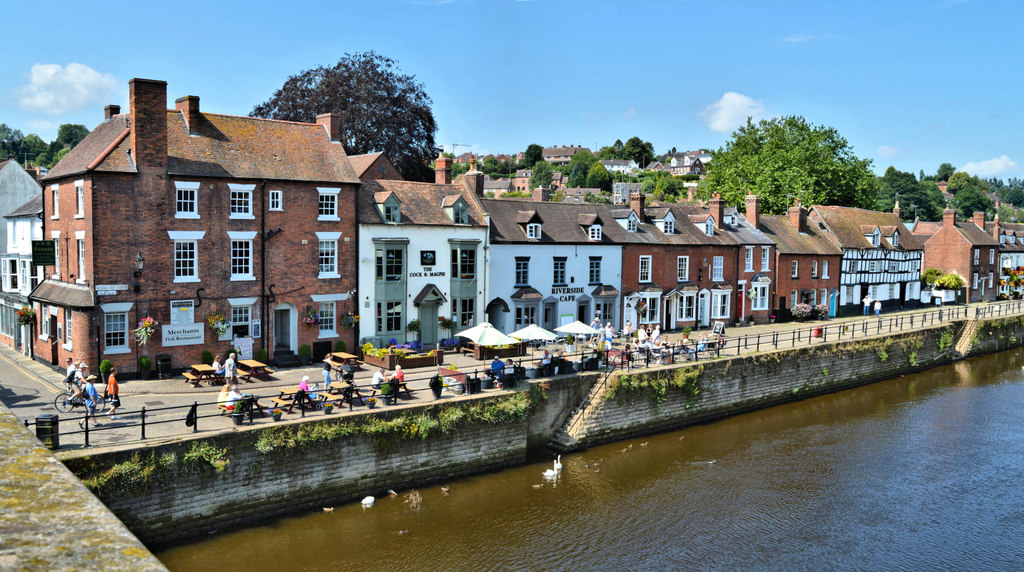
x,y
878,308
91,398
230,369
328,368
867,304
112,393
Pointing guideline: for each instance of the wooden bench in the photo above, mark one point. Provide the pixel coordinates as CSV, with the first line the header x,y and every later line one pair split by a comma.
x,y
191,378
256,406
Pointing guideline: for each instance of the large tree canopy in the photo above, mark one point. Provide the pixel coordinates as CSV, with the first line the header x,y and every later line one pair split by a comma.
x,y
381,109
785,158
639,150
917,198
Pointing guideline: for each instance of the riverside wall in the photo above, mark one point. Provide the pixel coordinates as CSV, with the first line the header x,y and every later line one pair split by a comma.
x,y
188,489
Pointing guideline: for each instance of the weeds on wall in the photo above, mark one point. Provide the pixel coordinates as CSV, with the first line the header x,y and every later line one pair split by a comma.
x,y
912,359
882,355
946,340
657,384
136,474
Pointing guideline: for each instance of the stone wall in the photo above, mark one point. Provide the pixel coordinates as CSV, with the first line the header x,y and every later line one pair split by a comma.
x,y
182,499
49,521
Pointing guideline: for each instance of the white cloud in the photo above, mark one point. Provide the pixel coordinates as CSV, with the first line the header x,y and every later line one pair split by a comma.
x,y
630,113
887,152
730,112
55,89
1001,165
800,38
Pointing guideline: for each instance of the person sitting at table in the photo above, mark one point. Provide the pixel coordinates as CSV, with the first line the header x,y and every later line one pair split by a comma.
x,y
398,377
628,330
641,335
378,378
545,363
218,367
703,342
496,367
304,387
222,398
232,398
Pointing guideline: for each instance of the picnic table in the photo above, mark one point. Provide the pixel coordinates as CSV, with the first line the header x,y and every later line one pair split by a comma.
x,y
343,358
341,392
287,399
200,372
253,367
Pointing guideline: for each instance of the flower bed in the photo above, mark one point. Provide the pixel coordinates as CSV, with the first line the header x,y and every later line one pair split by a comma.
x,y
389,361
488,352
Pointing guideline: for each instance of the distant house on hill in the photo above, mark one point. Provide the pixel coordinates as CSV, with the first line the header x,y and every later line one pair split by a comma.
x,y
561,155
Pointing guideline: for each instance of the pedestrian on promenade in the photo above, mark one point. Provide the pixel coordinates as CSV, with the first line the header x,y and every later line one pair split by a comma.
x,y
91,398
112,393
878,308
867,304
230,369
327,372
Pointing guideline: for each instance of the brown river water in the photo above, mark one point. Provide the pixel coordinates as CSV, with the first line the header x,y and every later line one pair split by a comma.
x,y
923,472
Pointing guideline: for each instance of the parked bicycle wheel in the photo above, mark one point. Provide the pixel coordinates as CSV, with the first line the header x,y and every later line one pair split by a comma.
x,y
63,402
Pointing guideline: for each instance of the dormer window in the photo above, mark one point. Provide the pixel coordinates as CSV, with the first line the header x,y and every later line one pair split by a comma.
x,y
392,213
460,214
895,238
594,232
1013,239
388,207
533,230
668,227
876,238
1002,239
709,227
631,224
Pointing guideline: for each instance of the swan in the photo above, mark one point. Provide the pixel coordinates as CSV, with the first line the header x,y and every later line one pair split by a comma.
x,y
368,501
558,463
552,473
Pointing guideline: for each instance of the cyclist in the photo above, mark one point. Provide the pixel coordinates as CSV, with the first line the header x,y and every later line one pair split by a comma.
x,y
80,375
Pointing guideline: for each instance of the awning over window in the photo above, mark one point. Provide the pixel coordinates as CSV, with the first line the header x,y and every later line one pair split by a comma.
x,y
721,286
527,294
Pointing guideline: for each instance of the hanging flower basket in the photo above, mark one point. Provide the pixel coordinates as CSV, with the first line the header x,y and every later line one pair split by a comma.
x,y
218,324
349,320
641,306
145,330
26,316
311,318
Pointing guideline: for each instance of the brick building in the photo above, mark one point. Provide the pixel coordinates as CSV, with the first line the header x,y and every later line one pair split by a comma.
x,y
182,215
374,166
1011,256
807,262
966,249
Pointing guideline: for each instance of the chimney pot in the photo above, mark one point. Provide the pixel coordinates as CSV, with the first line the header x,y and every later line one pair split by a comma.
x,y
148,119
717,207
948,218
442,169
753,210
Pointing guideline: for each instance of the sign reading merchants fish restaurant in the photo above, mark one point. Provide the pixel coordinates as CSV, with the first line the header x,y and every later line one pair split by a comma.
x,y
182,335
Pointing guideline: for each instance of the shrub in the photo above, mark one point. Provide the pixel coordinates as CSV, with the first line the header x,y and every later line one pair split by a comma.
x,y
821,311
145,363
339,345
207,357
105,367
801,311
304,350
949,281
261,355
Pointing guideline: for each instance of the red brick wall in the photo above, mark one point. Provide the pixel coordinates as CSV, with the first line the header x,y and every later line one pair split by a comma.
x,y
785,284
949,251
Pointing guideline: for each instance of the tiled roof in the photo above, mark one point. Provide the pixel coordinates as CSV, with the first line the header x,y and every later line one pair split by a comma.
x,y
225,146
686,234
63,294
974,234
1007,229
360,163
560,222
741,233
31,207
421,202
927,228
844,225
789,241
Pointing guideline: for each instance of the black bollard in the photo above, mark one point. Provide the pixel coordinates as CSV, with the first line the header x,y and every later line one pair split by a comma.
x,y
48,430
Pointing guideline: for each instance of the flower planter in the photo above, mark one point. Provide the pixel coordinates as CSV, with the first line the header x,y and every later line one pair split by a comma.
x,y
277,416
238,418
389,361
328,410
487,352
371,404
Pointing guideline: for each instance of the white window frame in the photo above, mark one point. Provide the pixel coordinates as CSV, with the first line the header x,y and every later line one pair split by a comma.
x,y
460,214
182,236
652,311
824,269
111,310
687,307
185,189
631,224
594,270
977,255
240,202
682,269
328,319
533,230
55,236
80,246
329,240
80,198
245,303
240,237
760,299
720,304
991,280
748,257
814,269
327,204
67,328
991,256
766,258
718,269
709,227
794,269
644,267
55,192
275,200
594,232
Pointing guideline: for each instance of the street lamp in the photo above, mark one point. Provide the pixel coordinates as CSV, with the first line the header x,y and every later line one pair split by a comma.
x,y
139,262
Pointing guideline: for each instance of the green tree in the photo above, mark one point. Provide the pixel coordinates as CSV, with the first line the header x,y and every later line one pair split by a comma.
x,y
381,109
542,174
577,176
598,178
491,168
33,146
972,199
944,172
584,159
614,151
785,158
11,141
917,198
71,134
531,156
957,181
639,150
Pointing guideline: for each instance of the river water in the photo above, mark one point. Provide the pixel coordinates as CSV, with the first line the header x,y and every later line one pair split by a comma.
x,y
923,472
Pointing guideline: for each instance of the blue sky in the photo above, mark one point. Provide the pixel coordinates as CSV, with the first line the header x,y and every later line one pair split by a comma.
x,y
910,84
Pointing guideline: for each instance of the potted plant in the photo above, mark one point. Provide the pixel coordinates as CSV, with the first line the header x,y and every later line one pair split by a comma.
x,y
145,367
328,408
276,414
105,367
371,402
570,343
207,357
436,385
218,324
385,392
26,316
414,327
238,413
686,332
304,352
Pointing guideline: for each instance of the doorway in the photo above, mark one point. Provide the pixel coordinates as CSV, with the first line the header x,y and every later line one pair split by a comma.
x,y
428,324
703,309
285,328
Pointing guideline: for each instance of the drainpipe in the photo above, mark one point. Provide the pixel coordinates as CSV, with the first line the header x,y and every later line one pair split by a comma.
x,y
486,262
264,317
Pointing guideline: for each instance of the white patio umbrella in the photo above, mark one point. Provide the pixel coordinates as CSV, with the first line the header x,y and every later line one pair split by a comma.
x,y
484,334
578,328
533,332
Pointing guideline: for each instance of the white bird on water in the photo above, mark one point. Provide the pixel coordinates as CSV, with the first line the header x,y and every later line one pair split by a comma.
x,y
558,463
368,502
553,472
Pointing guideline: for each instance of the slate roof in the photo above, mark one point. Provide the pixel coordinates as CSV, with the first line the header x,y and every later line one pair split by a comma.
x,y
559,222
741,233
686,234
789,241
421,202
223,146
65,294
843,225
31,207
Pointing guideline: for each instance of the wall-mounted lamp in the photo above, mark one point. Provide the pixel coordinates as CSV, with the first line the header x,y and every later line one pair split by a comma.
x,y
139,263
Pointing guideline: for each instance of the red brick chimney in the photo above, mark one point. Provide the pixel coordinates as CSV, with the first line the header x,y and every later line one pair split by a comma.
x,y
636,204
948,218
979,219
753,210
540,195
797,216
330,121
995,227
442,169
475,178
110,111
148,116
189,108
717,208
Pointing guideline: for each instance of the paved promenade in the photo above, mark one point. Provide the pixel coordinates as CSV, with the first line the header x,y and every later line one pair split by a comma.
x,y
28,388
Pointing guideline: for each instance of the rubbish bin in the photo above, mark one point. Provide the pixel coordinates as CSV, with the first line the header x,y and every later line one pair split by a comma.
x,y
48,430
163,366
474,385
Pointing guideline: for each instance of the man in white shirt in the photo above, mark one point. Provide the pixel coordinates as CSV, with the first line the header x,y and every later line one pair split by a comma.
x,y
378,378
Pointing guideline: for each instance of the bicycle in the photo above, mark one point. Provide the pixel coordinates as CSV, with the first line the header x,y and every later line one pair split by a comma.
x,y
66,402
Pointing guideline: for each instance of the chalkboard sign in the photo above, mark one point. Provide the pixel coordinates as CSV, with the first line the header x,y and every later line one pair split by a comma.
x,y
719,328
44,253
